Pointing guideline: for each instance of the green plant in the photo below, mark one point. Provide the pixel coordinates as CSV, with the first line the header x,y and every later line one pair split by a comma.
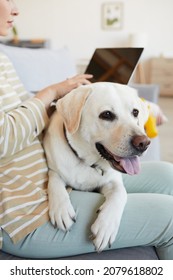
x,y
14,31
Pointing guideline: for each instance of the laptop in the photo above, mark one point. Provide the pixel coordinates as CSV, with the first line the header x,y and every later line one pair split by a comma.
x,y
114,64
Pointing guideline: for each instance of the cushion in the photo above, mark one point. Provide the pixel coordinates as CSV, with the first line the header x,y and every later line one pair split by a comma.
x,y
38,68
133,253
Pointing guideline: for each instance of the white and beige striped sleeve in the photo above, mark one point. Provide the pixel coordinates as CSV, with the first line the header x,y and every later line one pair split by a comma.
x,y
20,122
19,127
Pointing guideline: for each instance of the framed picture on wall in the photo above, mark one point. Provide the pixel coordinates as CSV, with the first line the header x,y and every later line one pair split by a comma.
x,y
112,15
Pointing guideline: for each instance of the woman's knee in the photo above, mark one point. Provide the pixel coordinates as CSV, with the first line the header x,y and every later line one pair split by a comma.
x,y
147,221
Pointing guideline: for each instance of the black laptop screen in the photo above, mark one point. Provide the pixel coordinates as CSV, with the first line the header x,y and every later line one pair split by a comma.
x,y
113,64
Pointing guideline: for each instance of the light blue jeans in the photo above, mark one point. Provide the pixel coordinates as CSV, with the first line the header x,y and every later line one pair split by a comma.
x,y
147,219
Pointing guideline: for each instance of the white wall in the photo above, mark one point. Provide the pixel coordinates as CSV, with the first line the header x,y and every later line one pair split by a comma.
x,y
77,24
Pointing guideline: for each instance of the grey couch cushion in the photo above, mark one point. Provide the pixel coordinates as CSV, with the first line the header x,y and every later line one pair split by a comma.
x,y
134,253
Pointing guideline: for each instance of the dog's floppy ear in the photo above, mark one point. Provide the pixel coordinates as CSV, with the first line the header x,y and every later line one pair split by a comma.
x,y
70,107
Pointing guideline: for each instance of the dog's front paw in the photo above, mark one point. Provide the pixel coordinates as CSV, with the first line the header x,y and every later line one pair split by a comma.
x,y
104,230
62,214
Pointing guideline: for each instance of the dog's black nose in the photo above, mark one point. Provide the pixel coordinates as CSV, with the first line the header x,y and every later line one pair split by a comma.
x,y
140,143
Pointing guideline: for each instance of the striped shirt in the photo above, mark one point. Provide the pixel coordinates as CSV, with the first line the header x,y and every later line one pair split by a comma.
x,y
23,168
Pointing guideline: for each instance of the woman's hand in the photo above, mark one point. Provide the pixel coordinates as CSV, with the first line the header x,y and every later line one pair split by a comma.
x,y
58,90
66,86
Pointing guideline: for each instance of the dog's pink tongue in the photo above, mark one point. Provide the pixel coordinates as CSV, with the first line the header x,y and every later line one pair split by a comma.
x,y
131,165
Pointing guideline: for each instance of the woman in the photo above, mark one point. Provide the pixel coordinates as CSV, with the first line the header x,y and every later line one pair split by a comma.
x,y
25,229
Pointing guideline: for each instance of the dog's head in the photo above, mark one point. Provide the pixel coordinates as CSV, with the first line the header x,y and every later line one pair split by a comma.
x,y
106,120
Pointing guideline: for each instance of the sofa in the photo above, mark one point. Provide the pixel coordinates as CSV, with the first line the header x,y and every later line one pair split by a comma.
x,y
37,68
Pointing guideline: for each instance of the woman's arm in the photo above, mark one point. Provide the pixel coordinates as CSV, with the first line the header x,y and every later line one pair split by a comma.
x,y
20,126
58,90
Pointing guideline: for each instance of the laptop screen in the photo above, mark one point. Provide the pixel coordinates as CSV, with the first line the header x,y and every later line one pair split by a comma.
x,y
113,64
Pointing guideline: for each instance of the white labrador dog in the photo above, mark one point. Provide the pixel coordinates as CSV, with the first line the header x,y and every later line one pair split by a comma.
x,y
96,133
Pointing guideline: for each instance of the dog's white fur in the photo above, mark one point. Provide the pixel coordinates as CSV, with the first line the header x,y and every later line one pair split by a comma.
x,y
79,111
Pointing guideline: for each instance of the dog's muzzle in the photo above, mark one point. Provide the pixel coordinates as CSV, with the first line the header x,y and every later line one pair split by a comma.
x,y
129,165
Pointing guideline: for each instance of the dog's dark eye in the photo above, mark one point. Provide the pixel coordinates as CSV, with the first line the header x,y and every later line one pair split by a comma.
x,y
135,113
107,116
